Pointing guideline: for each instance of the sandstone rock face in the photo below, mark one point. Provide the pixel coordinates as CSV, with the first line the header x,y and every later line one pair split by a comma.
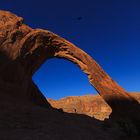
x,y
135,95
91,105
23,50
24,111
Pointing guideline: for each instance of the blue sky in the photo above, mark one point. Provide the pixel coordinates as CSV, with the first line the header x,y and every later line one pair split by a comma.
x,y
109,31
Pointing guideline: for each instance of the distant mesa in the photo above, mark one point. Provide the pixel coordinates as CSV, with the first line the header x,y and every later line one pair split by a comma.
x,y
91,105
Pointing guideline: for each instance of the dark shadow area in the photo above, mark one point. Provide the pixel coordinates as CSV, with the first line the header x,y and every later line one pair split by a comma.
x,y
40,122
126,114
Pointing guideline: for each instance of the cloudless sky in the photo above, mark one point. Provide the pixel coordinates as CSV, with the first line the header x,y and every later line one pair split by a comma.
x,y
108,30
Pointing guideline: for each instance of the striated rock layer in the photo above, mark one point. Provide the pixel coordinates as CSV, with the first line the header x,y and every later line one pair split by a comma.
x,y
91,105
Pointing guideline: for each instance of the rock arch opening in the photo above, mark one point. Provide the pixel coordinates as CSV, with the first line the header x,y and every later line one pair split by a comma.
x,y
27,49
58,78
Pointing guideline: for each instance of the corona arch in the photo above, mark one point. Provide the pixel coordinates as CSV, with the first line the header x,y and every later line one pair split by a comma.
x,y
26,50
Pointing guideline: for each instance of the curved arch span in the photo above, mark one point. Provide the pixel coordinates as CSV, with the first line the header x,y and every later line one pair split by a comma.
x,y
40,45
23,50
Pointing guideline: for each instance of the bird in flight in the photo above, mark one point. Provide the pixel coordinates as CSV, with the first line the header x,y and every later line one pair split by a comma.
x,y
79,18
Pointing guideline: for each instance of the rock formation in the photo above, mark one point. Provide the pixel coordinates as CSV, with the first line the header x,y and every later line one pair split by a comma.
x,y
91,105
25,112
23,50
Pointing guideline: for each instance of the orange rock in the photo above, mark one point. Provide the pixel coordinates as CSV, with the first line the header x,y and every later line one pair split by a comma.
x,y
25,112
91,105
23,50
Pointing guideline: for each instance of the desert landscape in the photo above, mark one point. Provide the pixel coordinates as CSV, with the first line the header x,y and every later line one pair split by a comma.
x,y
91,105
25,112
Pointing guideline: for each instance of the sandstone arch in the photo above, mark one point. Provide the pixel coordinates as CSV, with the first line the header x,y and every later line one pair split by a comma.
x,y
25,49
59,47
